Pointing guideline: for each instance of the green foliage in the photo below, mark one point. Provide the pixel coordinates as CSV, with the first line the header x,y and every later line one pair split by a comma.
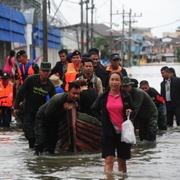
x,y
103,45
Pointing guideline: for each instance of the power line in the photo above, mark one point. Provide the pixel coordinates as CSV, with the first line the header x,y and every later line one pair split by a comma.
x,y
62,20
173,22
71,2
56,11
102,5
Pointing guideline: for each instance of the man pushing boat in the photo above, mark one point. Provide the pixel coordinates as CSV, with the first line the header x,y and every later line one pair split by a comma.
x,y
50,116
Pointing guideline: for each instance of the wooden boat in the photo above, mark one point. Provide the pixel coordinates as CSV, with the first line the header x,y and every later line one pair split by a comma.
x,y
79,133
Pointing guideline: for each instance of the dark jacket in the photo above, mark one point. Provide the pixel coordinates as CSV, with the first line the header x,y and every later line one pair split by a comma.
x,y
100,107
174,90
156,97
87,98
33,93
145,114
58,68
159,101
47,122
100,72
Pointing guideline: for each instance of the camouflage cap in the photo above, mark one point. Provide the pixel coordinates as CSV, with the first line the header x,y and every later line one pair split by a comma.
x,y
127,81
45,66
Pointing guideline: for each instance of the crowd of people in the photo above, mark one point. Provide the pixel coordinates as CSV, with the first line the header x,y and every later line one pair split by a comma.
x,y
39,96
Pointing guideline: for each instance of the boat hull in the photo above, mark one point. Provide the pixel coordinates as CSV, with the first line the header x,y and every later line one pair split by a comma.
x,y
79,133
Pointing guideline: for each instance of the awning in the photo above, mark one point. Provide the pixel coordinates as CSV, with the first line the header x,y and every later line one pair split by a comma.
x,y
12,25
54,37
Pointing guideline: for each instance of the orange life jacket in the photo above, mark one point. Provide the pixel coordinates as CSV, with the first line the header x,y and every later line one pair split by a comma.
x,y
110,69
25,70
6,94
70,75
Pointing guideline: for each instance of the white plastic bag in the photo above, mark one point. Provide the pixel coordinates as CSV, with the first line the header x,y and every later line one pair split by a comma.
x,y
127,134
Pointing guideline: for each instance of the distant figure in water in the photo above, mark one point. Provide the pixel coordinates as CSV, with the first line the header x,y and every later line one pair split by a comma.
x,y
172,72
170,90
159,101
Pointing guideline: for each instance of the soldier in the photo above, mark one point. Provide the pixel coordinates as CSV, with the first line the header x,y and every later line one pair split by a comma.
x,y
73,68
48,117
34,92
6,100
145,111
26,67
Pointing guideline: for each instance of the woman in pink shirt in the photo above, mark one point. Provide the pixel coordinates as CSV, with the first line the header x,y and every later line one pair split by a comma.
x,y
112,107
9,66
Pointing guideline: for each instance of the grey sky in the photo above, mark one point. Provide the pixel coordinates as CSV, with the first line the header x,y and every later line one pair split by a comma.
x,y
155,13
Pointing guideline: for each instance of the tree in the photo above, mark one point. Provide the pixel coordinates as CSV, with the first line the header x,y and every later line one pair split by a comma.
x,y
103,45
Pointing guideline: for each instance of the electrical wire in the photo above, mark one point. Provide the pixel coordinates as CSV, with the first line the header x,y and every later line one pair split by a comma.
x,y
168,24
61,20
71,2
102,4
56,11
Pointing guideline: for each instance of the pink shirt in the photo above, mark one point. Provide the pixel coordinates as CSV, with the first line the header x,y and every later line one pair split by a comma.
x,y
114,106
8,68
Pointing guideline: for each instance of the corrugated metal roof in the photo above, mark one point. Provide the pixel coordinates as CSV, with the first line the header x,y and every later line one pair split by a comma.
x,y
12,26
54,36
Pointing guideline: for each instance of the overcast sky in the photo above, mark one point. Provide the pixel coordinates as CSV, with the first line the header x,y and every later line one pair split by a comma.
x,y
163,15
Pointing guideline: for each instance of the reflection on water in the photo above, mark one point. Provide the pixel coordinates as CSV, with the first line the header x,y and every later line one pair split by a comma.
x,y
158,160
150,161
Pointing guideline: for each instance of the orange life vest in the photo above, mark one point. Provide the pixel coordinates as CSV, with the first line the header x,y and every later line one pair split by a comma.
x,y
6,94
110,69
25,70
70,75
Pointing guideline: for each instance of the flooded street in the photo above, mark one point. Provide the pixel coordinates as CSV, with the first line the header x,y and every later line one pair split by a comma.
x,y
157,161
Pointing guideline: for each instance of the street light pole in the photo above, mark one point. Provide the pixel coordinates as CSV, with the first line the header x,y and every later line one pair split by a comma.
x,y
45,32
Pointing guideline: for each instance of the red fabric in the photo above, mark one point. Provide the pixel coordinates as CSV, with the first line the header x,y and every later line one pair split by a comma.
x,y
160,99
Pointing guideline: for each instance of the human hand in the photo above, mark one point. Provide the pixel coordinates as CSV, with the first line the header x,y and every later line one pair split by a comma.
x,y
68,106
15,112
128,112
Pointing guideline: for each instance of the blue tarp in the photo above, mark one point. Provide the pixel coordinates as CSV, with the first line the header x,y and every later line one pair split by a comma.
x,y
12,25
54,36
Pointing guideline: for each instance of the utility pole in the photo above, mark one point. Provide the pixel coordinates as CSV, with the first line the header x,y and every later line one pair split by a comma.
x,y
82,27
87,26
111,35
92,23
129,41
129,15
130,35
124,14
45,31
122,37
